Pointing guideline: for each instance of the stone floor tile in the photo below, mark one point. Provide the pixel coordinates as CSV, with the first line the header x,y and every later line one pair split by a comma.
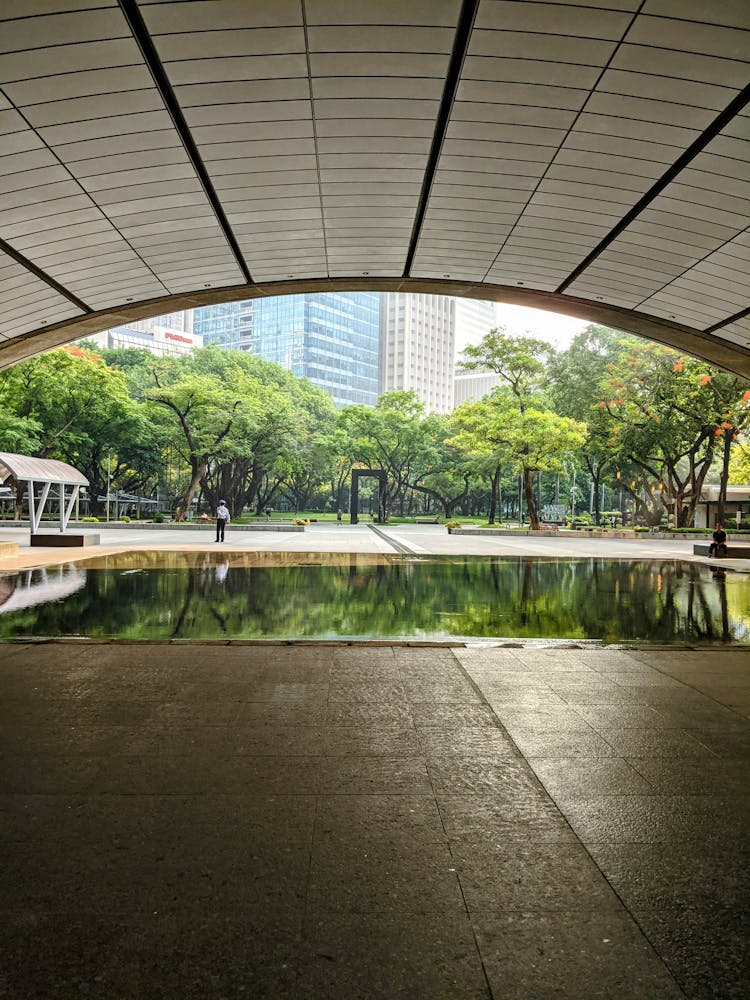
x,y
576,777
603,717
476,774
513,815
538,743
39,774
656,819
382,692
600,954
371,817
451,716
501,877
565,719
726,743
383,876
373,775
704,947
467,740
375,741
543,698
458,690
668,776
192,955
372,956
671,743
368,713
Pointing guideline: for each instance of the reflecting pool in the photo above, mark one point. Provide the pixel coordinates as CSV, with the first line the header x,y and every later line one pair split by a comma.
x,y
181,595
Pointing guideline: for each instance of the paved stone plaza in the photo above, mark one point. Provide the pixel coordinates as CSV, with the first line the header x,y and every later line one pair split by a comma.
x,y
205,820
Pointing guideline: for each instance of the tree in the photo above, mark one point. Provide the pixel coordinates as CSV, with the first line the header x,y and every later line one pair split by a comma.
x,y
395,437
576,377
535,437
77,409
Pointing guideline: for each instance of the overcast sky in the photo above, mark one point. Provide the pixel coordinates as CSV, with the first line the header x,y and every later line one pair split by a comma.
x,y
519,320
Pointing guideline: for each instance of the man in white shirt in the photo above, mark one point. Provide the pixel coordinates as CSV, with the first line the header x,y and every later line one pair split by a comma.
x,y
222,520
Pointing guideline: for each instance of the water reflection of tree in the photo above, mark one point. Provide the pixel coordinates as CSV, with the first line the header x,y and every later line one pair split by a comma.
x,y
576,598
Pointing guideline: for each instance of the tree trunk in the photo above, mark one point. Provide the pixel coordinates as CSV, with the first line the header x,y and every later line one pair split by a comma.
x,y
494,484
724,480
528,483
199,471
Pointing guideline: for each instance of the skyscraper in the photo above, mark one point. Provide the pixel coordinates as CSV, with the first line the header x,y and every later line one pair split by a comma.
x,y
228,324
418,346
332,338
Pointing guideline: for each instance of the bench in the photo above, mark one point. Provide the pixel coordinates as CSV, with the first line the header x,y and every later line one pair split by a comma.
x,y
733,551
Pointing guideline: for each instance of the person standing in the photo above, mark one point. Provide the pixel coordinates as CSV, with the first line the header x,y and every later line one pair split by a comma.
x,y
222,520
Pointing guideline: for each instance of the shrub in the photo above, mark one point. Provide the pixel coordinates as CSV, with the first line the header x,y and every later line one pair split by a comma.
x,y
125,518
158,519
453,524
91,520
301,520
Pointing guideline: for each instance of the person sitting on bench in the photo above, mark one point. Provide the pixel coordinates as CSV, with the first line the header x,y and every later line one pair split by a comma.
x,y
718,546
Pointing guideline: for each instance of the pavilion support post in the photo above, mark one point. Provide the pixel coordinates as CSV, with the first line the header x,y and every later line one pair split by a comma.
x,y
71,503
32,506
37,509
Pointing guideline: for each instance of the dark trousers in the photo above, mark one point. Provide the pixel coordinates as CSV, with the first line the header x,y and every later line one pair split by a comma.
x,y
220,525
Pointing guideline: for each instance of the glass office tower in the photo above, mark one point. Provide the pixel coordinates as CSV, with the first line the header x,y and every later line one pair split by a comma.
x,y
228,324
332,338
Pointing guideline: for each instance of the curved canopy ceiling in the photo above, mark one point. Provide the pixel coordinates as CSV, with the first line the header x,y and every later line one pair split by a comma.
x,y
590,158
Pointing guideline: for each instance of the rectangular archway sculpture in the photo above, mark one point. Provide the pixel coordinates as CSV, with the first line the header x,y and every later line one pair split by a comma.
x,y
358,474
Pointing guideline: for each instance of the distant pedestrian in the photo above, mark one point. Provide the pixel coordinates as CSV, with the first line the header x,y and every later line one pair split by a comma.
x,y
339,514
718,546
222,520
268,513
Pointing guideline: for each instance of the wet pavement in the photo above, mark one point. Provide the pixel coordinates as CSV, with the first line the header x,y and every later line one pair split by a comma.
x,y
201,820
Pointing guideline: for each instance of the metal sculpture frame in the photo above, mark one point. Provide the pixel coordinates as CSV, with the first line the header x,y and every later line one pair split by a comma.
x,y
358,474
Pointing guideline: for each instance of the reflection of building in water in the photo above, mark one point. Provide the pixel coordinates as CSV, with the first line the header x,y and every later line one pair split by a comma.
x,y
39,586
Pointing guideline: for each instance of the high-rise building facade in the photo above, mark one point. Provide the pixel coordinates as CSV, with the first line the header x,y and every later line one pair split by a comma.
x,y
474,319
418,347
228,324
468,387
332,338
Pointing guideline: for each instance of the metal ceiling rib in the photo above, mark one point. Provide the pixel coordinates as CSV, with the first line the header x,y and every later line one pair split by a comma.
x,y
735,107
592,155
146,45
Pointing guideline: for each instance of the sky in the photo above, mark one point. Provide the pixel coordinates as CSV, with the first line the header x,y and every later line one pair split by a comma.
x,y
519,320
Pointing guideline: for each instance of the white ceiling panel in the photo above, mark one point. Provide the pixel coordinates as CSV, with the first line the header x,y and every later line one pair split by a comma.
x,y
585,149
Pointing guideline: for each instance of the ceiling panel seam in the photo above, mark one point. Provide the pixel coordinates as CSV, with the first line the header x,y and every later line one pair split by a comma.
x,y
87,194
43,276
728,321
464,28
148,50
707,256
315,139
566,136
719,123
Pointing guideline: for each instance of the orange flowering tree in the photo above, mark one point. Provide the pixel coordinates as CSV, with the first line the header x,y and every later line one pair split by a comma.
x,y
672,417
